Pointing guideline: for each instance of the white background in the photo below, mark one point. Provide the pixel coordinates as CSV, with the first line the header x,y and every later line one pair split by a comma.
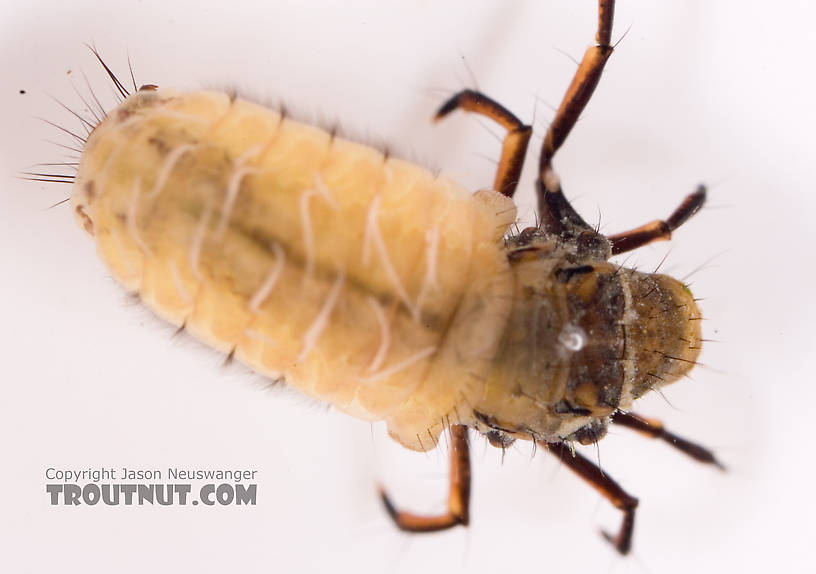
x,y
720,92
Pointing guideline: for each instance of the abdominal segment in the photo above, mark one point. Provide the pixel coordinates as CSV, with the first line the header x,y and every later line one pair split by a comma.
x,y
362,280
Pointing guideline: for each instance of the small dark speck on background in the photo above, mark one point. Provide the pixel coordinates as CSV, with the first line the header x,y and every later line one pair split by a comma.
x,y
22,91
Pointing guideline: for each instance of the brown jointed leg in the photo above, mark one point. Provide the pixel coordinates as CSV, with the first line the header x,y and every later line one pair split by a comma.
x,y
458,494
514,146
654,429
553,206
610,489
659,229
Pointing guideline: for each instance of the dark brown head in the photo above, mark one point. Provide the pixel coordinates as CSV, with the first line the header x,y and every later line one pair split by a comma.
x,y
629,332
584,341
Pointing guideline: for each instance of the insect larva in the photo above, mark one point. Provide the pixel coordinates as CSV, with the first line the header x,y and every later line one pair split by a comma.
x,y
368,282
174,189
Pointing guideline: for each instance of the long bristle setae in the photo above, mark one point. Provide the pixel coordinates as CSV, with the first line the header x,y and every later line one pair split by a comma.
x,y
89,113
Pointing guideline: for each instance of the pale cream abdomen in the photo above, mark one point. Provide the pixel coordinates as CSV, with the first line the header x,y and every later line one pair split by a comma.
x,y
363,280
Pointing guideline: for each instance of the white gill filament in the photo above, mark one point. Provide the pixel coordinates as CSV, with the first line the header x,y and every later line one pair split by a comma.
x,y
164,112
371,218
306,221
431,257
258,336
371,224
271,280
385,335
131,121
234,186
167,168
131,218
198,240
372,233
322,320
308,236
402,365
320,186
178,284
389,173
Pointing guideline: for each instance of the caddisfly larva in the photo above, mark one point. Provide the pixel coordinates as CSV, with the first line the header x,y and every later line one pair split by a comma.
x,y
395,295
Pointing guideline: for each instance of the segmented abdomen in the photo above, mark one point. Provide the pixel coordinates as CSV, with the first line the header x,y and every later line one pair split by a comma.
x,y
363,280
